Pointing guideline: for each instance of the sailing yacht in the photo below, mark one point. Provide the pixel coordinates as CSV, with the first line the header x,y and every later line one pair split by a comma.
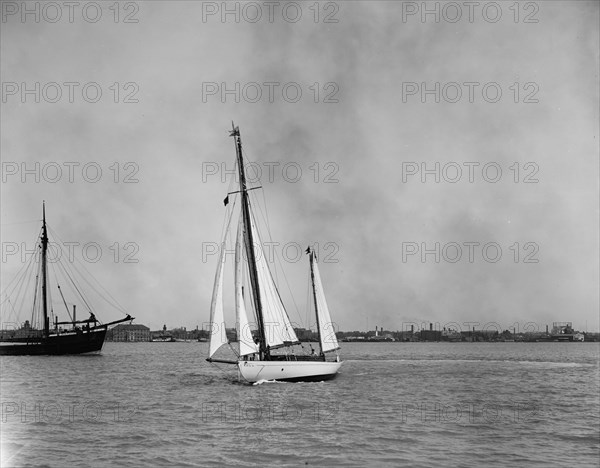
x,y
268,352
52,337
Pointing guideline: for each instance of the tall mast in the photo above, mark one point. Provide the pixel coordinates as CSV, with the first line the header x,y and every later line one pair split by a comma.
x,y
312,278
250,242
44,272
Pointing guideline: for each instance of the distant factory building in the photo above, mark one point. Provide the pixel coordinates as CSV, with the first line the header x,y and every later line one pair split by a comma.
x,y
124,332
431,334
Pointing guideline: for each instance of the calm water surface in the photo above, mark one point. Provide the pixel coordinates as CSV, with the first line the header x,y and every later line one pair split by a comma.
x,y
393,404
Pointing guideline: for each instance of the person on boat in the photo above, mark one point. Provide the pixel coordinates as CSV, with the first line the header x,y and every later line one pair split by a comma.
x,y
312,351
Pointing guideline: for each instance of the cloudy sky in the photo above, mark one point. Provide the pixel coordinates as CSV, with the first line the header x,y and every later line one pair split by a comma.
x,y
446,166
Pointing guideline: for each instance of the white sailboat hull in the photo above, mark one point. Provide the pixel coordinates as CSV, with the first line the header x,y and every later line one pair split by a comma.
x,y
290,371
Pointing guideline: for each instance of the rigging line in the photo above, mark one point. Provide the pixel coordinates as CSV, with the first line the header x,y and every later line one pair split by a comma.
x,y
12,314
36,293
237,354
284,276
66,269
26,264
73,284
24,290
19,279
289,288
230,207
275,285
115,304
215,365
60,291
65,302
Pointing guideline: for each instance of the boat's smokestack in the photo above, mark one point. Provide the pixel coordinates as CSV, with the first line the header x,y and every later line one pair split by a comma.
x,y
430,326
74,314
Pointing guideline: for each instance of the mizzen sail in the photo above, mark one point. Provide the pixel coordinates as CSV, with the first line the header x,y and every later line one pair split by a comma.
x,y
327,336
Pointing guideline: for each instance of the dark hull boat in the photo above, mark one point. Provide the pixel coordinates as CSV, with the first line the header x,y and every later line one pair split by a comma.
x,y
69,337
67,343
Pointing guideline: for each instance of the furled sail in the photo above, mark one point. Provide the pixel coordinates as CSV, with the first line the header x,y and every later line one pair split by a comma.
x,y
326,330
278,329
218,335
247,344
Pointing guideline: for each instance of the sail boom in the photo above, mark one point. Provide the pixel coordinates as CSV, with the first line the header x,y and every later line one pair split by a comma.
x,y
285,344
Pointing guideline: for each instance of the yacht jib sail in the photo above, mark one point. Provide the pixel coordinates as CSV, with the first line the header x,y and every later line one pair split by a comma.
x,y
274,329
218,336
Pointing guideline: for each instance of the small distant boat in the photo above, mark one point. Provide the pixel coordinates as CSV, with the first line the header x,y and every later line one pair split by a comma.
x,y
163,339
67,337
257,358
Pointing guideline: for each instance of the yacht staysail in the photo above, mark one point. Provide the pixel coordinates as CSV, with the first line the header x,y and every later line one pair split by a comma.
x,y
274,330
